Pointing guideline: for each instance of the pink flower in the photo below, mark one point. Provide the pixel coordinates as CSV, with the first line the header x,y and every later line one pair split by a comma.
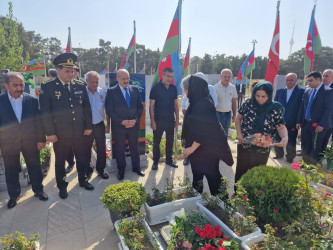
x,y
275,228
276,211
296,166
260,192
244,198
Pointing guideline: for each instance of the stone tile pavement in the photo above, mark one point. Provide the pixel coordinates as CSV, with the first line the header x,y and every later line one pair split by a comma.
x,y
81,221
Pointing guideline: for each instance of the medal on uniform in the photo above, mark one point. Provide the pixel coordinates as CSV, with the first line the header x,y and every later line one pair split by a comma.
x,y
57,94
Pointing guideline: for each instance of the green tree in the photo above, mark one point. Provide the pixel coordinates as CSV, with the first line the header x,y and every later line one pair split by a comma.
x,y
206,65
11,50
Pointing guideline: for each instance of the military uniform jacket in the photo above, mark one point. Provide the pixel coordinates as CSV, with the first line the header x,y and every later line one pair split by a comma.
x,y
64,114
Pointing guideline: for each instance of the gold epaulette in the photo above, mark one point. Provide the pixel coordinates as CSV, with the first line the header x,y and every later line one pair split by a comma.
x,y
75,81
47,81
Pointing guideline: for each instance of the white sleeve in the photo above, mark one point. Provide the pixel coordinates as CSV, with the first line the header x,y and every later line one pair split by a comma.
x,y
184,102
212,93
235,93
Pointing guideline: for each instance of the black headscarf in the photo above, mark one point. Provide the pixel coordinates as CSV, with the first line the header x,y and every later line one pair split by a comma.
x,y
263,109
198,88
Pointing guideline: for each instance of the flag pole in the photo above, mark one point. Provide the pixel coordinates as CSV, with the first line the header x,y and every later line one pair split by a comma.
x,y
134,48
254,41
189,52
107,72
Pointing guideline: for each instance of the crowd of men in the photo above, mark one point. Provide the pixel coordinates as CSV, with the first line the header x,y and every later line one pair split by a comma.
x,y
71,115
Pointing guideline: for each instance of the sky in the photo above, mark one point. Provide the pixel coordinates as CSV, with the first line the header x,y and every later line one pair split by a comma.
x,y
215,26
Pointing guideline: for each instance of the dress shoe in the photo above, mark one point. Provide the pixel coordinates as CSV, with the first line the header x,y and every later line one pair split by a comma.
x,y
89,172
42,196
154,166
87,185
278,157
186,161
69,168
63,193
103,175
139,172
120,175
12,203
172,164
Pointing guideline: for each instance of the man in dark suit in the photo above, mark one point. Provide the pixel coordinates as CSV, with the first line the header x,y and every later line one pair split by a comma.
x,y
328,82
20,131
123,104
315,117
290,97
66,117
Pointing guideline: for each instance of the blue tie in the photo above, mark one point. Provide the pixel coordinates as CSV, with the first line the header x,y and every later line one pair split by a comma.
x,y
128,99
308,109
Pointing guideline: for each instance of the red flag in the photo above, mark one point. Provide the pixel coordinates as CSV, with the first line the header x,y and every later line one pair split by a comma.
x,y
274,52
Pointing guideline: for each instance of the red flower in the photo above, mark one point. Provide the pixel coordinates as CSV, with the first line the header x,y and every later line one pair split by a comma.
x,y
321,225
221,248
197,230
147,142
124,230
328,194
220,242
244,198
107,155
225,238
314,124
292,129
260,192
276,211
275,228
130,203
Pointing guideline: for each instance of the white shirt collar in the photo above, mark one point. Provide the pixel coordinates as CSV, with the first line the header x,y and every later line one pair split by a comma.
x,y
12,98
291,89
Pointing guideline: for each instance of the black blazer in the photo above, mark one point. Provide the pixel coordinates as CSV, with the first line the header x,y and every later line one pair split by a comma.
x,y
321,109
117,109
14,135
292,107
64,115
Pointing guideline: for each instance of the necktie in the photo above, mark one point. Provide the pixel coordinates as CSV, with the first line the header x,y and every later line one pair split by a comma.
x,y
127,97
66,88
308,109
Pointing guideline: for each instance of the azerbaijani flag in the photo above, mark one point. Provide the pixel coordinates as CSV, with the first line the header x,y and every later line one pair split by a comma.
x,y
247,66
313,44
69,42
170,55
103,72
187,60
274,52
124,63
142,71
37,68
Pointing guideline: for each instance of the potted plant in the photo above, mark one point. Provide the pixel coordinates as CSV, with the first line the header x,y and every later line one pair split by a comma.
x,y
123,198
240,225
19,241
160,204
192,230
328,156
135,233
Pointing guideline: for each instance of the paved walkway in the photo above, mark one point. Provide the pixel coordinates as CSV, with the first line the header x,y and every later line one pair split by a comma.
x,y
81,221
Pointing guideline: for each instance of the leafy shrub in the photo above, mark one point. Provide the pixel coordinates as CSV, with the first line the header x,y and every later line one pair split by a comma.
x,y
272,193
18,241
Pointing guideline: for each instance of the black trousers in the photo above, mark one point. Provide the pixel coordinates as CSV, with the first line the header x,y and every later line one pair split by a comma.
x,y
247,159
205,166
169,134
291,146
312,150
119,136
70,157
98,134
13,167
61,149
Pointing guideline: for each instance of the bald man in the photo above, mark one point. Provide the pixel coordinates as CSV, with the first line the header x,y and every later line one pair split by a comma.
x,y
327,81
290,97
123,104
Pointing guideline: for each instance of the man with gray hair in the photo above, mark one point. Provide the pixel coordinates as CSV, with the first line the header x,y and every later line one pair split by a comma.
x,y
97,100
291,98
20,132
226,99
328,82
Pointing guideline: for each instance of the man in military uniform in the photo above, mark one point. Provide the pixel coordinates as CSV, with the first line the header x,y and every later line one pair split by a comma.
x,y
67,120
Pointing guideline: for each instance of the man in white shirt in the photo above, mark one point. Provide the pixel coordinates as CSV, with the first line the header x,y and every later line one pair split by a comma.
x,y
226,100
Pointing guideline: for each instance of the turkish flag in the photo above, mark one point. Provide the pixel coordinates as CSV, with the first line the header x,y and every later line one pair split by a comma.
x,y
274,52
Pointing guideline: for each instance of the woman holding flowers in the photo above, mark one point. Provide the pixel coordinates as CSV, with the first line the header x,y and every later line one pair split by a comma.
x,y
257,122
205,141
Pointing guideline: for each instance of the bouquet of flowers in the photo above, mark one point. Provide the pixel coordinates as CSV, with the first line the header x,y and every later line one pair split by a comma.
x,y
260,140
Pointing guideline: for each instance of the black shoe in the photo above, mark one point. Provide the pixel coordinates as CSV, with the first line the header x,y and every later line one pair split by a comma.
x,y
299,153
139,172
42,196
63,193
120,175
290,160
172,164
87,185
12,203
103,175
69,168
154,166
186,161
278,157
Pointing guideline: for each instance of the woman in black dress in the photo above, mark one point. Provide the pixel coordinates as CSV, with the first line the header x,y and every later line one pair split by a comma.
x,y
205,140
